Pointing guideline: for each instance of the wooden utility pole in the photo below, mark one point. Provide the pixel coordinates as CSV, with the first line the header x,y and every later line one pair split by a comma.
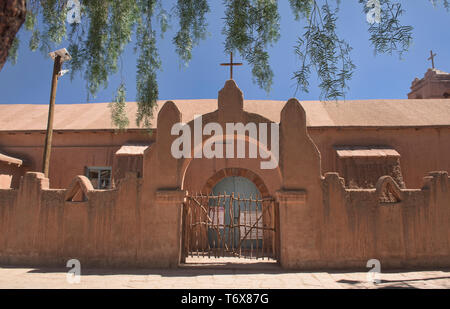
x,y
48,137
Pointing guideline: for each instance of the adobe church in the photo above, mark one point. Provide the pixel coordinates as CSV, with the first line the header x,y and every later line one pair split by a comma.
x,y
355,181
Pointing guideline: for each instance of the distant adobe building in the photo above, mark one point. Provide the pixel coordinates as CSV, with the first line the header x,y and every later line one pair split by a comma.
x,y
356,180
435,85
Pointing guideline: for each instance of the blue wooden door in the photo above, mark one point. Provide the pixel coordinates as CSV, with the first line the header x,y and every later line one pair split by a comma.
x,y
246,189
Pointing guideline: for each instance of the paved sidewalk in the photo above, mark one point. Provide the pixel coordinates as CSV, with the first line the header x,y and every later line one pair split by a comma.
x,y
204,276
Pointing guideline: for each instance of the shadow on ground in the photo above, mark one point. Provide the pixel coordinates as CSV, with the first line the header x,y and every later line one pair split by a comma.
x,y
225,268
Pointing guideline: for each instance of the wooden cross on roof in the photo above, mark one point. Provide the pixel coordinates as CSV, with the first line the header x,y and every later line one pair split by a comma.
x,y
432,58
231,65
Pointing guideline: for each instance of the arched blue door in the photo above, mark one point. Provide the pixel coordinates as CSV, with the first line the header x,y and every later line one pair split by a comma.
x,y
246,189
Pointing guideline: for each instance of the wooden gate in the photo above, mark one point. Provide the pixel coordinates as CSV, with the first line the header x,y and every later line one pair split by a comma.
x,y
230,226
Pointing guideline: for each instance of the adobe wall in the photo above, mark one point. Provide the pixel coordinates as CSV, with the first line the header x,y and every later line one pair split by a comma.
x,y
118,229
39,227
325,226
435,84
322,225
10,175
412,233
71,151
422,149
429,89
75,150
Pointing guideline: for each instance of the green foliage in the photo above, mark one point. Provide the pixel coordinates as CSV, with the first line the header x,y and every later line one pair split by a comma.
x,y
445,3
148,64
322,49
390,35
54,14
13,51
97,43
250,28
191,14
30,21
96,57
118,109
302,8
35,40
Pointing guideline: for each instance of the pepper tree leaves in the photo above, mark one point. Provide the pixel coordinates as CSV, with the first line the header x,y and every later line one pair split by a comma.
x,y
251,26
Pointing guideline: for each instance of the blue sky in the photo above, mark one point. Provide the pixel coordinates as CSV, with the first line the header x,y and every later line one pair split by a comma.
x,y
376,77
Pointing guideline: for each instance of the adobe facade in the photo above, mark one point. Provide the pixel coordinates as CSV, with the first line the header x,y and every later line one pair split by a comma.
x,y
393,204
434,85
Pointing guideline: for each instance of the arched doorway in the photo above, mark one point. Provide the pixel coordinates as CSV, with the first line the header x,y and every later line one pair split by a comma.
x,y
254,178
232,219
237,185
235,212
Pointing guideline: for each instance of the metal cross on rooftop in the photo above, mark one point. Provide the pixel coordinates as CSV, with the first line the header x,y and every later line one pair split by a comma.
x,y
432,58
231,64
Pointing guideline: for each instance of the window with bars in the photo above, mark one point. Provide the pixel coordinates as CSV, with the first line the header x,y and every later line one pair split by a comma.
x,y
100,177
